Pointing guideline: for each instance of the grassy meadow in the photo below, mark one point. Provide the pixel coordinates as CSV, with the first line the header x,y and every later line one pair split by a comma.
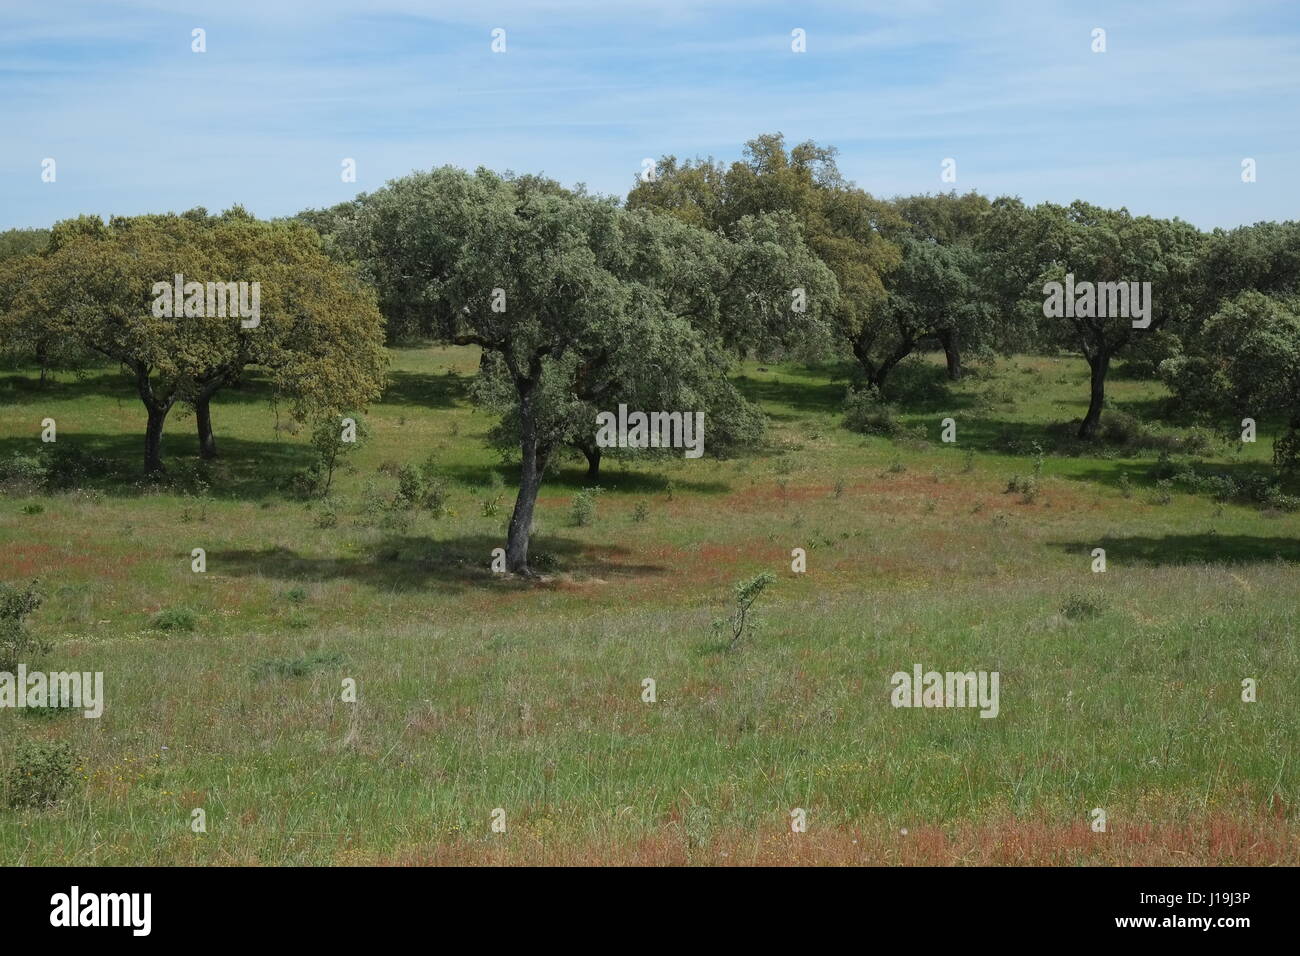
x,y
1119,691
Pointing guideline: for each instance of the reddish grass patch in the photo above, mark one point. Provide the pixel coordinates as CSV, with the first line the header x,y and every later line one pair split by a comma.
x,y
1211,841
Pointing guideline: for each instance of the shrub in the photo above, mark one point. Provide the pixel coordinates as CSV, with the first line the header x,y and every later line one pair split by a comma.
x,y
1164,467
331,451
42,774
1121,428
1163,494
867,413
22,472
1026,485
1282,502
67,466
543,561
328,516
1078,607
175,619
17,645
1286,451
584,506
641,512
295,666
741,621
410,487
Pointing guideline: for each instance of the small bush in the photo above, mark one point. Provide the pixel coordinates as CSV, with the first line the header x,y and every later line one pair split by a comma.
x,y
295,666
67,466
543,561
1121,428
641,512
584,506
1163,494
1078,607
1282,502
1286,451
175,619
23,473
17,645
41,776
742,620
1025,485
866,413
328,515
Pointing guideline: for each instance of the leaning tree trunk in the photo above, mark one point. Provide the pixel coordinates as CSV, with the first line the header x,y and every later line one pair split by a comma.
x,y
593,453
952,353
877,375
203,418
530,481
1099,364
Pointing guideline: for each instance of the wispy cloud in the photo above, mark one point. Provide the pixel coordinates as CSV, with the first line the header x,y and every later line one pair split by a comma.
x,y
137,122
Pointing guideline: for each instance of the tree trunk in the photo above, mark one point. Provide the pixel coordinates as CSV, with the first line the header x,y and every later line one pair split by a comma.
x,y
951,351
592,452
1099,364
157,409
203,418
153,440
877,376
530,481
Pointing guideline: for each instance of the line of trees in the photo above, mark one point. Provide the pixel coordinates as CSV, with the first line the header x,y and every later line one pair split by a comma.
x,y
89,292
582,302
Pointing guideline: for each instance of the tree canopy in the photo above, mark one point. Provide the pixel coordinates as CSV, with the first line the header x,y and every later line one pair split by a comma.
x,y
582,304
318,333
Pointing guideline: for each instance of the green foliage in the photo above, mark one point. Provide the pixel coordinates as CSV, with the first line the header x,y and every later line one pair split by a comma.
x,y
331,450
1026,485
1080,607
742,621
583,507
319,337
296,666
42,774
1286,451
23,473
867,413
582,305
17,645
175,619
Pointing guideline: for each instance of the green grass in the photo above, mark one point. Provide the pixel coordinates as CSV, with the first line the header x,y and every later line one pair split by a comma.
x,y
1119,690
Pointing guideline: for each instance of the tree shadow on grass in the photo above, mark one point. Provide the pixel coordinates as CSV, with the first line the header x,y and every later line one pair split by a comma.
x,y
573,476
25,389
801,396
420,563
245,469
1140,475
425,389
1178,549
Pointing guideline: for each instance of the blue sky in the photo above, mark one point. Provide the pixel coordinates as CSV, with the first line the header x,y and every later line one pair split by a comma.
x,y
137,122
